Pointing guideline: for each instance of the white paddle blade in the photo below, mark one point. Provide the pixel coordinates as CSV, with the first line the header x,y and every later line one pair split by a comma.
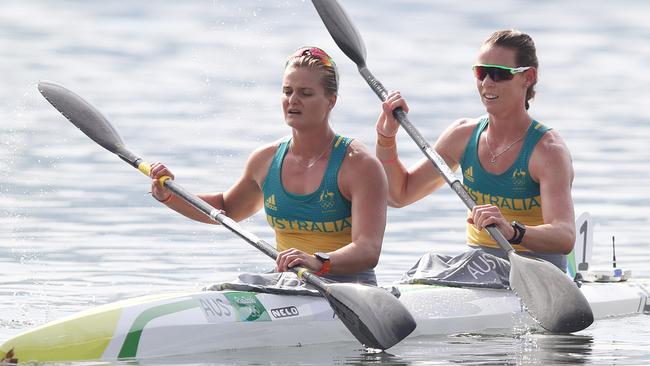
x,y
551,298
82,114
342,30
375,317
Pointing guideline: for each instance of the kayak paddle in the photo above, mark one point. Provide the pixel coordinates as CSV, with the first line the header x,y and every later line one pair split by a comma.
x,y
551,298
373,315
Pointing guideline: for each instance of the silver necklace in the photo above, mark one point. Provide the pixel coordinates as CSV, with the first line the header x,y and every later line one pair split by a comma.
x,y
314,161
493,160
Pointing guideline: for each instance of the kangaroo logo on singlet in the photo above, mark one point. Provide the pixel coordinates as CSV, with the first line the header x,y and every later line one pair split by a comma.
x,y
468,174
519,177
326,201
270,203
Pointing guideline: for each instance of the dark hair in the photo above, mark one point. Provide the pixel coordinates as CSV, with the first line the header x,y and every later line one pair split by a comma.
x,y
525,52
317,59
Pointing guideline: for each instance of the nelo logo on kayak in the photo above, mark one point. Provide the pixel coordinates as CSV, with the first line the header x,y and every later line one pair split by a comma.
x,y
285,312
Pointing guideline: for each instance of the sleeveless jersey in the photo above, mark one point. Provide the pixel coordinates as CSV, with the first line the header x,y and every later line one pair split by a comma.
x,y
318,221
513,191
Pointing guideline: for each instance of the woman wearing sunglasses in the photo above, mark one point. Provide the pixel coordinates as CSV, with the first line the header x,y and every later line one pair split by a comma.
x,y
313,184
518,170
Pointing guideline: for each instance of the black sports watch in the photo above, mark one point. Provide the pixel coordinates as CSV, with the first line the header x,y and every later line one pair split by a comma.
x,y
324,258
520,231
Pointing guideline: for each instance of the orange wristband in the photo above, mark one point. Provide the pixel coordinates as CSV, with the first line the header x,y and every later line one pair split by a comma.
x,y
325,269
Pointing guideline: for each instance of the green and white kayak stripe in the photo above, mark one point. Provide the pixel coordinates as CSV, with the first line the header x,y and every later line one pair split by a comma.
x,y
130,346
187,323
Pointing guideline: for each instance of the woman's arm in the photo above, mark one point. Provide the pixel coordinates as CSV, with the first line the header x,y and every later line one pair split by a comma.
x,y
240,201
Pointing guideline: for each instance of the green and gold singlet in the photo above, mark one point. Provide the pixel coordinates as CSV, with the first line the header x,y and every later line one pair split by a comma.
x,y
513,191
316,222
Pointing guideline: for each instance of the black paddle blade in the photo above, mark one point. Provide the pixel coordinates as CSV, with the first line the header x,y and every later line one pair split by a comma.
x,y
373,315
83,115
342,30
551,298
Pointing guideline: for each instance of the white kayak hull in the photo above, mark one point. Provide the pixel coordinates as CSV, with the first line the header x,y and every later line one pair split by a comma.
x,y
190,323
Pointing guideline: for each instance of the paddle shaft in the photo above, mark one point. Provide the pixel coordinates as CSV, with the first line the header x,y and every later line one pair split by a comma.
x,y
437,161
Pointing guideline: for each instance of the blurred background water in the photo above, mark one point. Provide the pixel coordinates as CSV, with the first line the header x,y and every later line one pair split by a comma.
x,y
196,84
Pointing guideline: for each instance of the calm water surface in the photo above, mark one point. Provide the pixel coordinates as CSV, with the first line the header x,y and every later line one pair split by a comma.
x,y
196,84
